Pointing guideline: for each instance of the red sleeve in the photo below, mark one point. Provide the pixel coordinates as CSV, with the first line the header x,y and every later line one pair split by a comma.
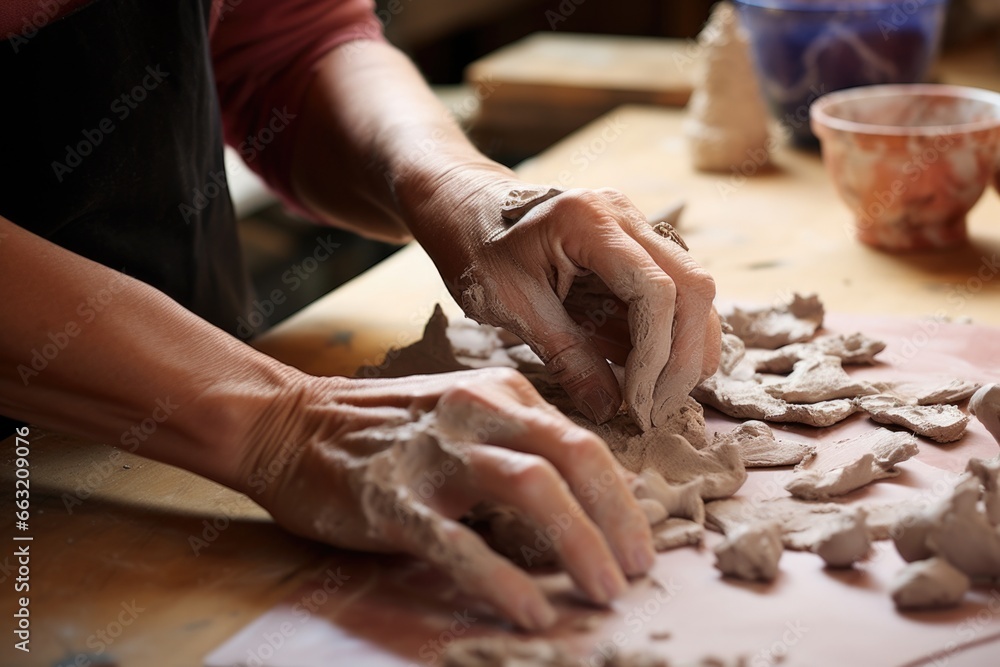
x,y
265,54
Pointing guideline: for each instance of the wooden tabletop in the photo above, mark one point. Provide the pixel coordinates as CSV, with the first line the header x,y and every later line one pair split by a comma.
x,y
136,563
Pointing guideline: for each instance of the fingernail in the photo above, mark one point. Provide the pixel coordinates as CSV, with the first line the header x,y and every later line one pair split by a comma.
x,y
599,404
612,583
642,559
538,615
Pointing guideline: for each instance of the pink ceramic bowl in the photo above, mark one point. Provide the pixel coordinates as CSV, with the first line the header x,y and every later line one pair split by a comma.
x,y
910,160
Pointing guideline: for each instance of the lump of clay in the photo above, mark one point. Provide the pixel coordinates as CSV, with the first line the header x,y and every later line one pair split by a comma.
x,y
851,464
929,584
804,524
727,122
733,351
985,404
854,349
818,379
506,652
941,423
751,552
760,449
683,500
749,400
674,533
772,327
845,540
988,473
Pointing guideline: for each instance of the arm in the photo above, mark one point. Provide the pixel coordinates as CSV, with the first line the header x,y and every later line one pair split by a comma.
x,y
124,364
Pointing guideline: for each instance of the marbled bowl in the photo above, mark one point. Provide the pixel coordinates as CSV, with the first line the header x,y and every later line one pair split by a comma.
x,y
803,49
909,160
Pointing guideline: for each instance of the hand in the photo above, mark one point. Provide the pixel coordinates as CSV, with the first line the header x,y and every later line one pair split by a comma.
x,y
390,465
581,278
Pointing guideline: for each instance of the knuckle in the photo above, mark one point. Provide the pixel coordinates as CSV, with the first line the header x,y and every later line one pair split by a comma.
x,y
581,446
532,476
702,284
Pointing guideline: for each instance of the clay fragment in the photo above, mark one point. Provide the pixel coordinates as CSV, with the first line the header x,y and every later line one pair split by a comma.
x,y
850,464
733,351
519,202
760,449
854,348
680,501
771,327
988,473
749,400
845,540
654,511
985,405
727,119
506,652
804,524
929,392
941,423
674,533
955,391
751,552
818,379
929,584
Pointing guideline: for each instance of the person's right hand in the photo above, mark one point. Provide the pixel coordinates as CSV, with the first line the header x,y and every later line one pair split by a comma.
x,y
391,465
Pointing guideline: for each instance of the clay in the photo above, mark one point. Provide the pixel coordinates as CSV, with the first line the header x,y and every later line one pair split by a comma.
x,y
929,584
751,552
674,533
680,501
985,405
733,351
727,121
818,379
771,327
844,540
749,400
760,449
929,393
519,202
654,511
988,473
855,349
849,464
941,423
506,652
804,524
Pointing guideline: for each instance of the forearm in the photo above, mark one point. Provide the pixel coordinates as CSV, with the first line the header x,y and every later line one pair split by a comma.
x,y
91,352
376,147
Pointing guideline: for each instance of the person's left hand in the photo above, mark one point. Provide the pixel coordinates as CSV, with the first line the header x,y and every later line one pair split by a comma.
x,y
581,278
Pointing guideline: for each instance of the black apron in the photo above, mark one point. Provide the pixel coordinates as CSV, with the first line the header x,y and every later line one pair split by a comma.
x,y
111,147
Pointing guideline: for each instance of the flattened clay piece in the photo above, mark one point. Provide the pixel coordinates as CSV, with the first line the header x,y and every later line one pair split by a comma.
x,y
818,379
674,533
760,449
751,552
506,652
749,400
683,501
772,327
929,584
955,391
985,404
941,423
963,536
727,120
845,540
850,464
803,524
519,202
988,472
855,348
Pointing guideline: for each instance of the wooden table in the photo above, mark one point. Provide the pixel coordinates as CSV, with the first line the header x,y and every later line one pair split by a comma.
x,y
137,563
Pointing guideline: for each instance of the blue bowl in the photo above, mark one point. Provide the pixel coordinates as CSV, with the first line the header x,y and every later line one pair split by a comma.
x,y
803,49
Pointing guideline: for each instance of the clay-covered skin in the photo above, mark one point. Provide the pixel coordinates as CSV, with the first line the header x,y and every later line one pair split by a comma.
x,y
751,552
941,423
727,122
929,584
849,464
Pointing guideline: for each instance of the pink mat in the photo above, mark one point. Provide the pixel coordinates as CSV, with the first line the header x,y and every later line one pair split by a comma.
x,y
393,612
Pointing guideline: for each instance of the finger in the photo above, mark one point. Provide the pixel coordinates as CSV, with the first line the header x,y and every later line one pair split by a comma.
x,y
531,484
476,568
569,355
713,351
596,479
